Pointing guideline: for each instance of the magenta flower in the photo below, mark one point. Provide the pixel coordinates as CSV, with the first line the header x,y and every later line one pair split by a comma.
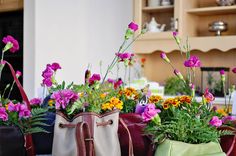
x,y
139,109
193,61
175,33
35,101
48,73
11,41
24,112
55,66
11,107
215,121
150,112
64,97
133,26
208,96
94,78
125,56
3,114
18,73
222,72
109,80
227,119
118,83
234,70
164,57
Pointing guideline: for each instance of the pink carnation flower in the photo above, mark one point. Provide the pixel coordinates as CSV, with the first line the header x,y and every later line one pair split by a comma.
x,y
94,78
215,121
133,26
64,97
24,112
229,118
18,73
193,61
150,112
35,101
208,96
3,114
15,45
55,66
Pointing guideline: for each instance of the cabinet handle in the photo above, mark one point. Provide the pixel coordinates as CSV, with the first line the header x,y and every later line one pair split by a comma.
x,y
176,26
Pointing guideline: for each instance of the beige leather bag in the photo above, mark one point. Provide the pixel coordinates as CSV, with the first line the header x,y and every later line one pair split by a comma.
x,y
88,134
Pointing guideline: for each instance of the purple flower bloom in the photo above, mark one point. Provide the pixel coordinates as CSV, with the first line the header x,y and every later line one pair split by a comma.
x,y
150,112
234,70
222,72
133,26
94,78
164,57
64,97
140,108
35,101
15,45
24,112
18,73
193,61
118,83
3,114
125,56
47,82
109,80
215,121
55,66
175,33
227,119
11,107
208,96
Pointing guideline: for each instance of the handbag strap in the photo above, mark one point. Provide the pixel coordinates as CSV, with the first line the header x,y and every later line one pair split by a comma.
x,y
28,138
231,147
130,139
84,140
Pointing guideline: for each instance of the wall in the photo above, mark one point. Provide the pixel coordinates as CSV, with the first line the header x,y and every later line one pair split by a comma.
x,y
73,33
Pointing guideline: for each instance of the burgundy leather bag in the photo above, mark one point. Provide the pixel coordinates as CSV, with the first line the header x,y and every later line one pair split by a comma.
x,y
142,144
228,142
15,132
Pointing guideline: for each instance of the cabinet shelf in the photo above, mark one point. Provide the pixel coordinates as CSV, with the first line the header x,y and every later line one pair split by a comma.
x,y
156,35
213,10
158,9
13,5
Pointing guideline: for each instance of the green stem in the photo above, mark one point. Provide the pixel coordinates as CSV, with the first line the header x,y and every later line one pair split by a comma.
x,y
114,61
223,84
125,74
13,83
1,68
129,75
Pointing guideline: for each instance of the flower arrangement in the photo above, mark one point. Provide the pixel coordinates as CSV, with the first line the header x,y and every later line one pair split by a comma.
x,y
98,94
12,112
183,118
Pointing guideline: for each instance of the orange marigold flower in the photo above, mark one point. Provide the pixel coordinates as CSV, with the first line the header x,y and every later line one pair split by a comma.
x,y
154,99
221,111
185,99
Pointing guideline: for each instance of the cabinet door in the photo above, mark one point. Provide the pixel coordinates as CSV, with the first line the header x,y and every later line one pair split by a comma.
x,y
10,5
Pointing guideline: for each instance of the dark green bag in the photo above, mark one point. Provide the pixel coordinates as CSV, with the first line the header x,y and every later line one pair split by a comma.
x,y
177,148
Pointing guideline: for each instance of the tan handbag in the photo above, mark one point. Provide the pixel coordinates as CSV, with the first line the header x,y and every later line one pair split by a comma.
x,y
88,134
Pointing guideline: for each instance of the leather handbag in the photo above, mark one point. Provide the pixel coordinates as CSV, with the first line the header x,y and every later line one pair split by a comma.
x,y
228,142
87,134
142,144
11,138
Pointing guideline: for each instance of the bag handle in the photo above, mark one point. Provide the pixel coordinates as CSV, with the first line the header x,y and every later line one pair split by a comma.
x,y
84,140
28,138
130,139
231,147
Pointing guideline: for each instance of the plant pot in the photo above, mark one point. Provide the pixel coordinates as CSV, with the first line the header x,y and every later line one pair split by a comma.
x,y
177,148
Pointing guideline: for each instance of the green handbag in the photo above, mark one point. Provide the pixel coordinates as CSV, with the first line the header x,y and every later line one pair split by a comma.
x,y
177,148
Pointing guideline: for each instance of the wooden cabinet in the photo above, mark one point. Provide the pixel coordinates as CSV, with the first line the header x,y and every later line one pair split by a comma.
x,y
11,5
192,19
